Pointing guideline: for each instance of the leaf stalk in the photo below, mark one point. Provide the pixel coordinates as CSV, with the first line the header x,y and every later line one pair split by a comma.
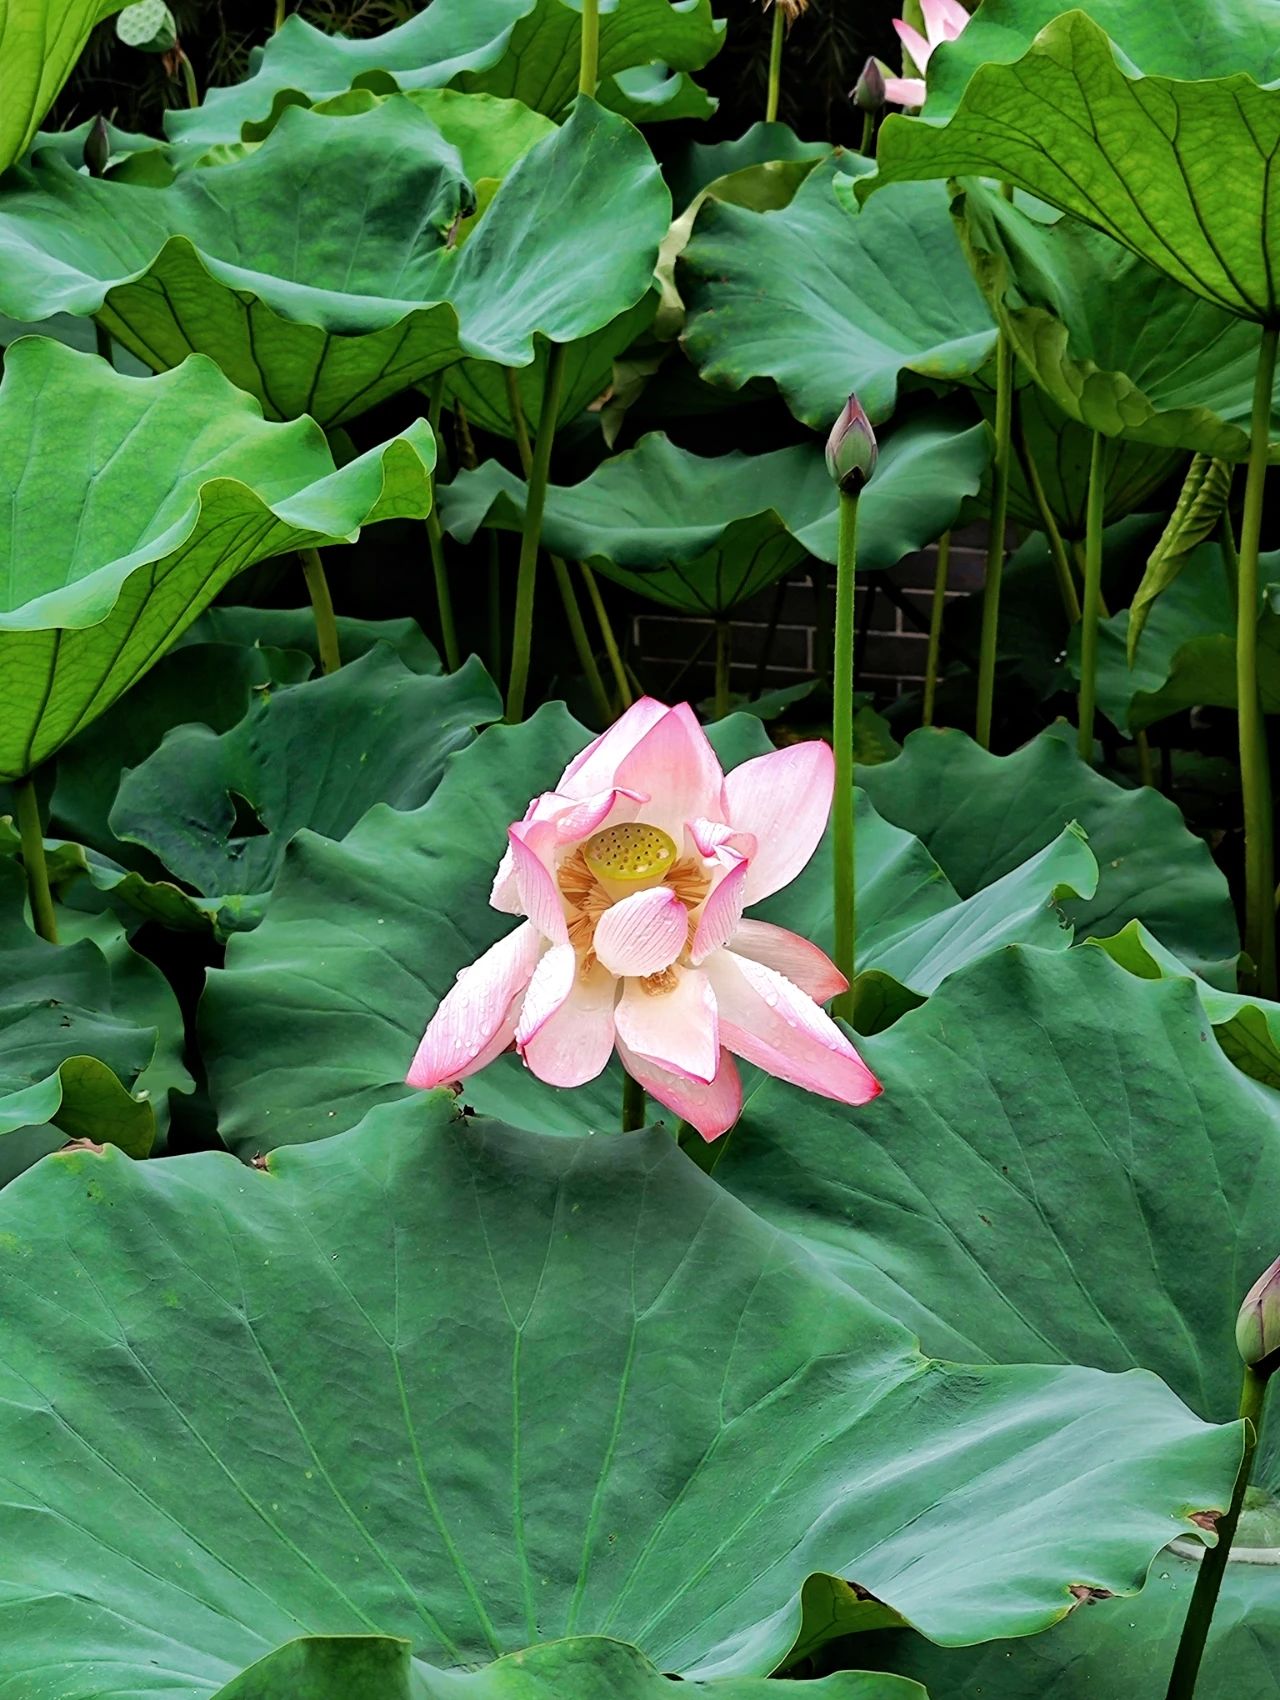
x,y
845,923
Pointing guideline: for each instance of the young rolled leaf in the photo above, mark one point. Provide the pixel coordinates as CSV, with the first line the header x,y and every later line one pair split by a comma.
x,y
217,810
370,934
1116,343
318,269
40,41
141,499
981,815
825,299
527,50
1135,138
705,534
1198,512
602,1303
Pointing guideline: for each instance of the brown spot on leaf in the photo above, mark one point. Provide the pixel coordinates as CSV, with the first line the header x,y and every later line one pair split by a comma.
x,y
84,1145
1087,1596
1207,1519
258,1161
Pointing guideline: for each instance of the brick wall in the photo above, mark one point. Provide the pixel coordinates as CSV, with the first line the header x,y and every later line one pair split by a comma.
x,y
891,649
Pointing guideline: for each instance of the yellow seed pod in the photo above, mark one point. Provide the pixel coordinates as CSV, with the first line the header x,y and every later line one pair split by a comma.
x,y
630,852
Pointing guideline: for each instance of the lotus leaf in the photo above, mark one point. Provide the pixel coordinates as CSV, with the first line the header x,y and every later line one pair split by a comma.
x,y
527,50
141,499
217,810
40,41
825,301
981,815
317,268
706,534
558,1358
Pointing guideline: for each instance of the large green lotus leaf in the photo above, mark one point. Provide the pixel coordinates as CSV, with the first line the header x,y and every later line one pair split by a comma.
x,y
580,1668
140,499
73,1041
295,629
1062,1166
480,389
527,50
40,41
1143,157
825,301
706,534
1187,656
365,937
1247,1028
1116,343
317,268
981,815
218,809
701,164
573,1376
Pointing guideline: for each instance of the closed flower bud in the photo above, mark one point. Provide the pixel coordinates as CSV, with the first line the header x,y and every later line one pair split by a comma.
x,y
851,449
1258,1324
868,91
97,149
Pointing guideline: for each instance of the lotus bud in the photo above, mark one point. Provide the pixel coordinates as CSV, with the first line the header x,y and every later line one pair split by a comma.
x,y
851,449
97,149
1258,1324
868,91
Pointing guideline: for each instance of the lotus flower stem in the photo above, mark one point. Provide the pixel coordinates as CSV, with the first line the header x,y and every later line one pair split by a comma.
x,y
435,542
568,596
995,544
531,534
1057,548
621,682
589,74
188,79
322,608
842,816
724,657
1092,611
1213,1564
633,1110
936,608
281,8
33,858
1255,771
775,62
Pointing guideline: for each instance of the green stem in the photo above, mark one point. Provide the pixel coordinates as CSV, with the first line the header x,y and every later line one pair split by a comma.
x,y
322,608
589,72
633,1111
842,739
581,642
189,79
524,448
1049,525
1146,767
531,534
775,63
867,147
281,7
33,859
621,683
995,542
1255,768
1092,610
724,653
444,597
1213,1562
936,608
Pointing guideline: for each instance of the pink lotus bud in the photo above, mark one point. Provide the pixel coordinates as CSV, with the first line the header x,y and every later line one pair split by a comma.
x,y
851,449
97,149
868,92
1258,1324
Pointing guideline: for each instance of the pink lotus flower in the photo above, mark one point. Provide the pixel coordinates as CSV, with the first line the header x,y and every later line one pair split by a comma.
x,y
632,876
943,21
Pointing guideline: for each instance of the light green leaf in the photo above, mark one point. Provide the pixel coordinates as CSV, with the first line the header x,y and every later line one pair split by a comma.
x,y
542,1371
707,534
218,810
1116,343
701,164
1136,139
1202,502
826,301
317,268
582,1668
981,815
365,937
527,50
40,41
141,499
